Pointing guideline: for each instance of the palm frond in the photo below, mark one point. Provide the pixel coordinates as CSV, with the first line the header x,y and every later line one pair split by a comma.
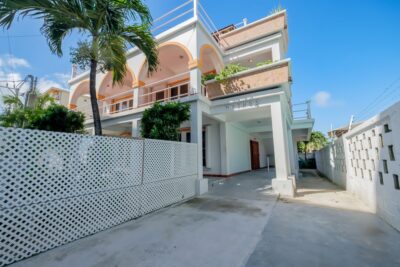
x,y
140,36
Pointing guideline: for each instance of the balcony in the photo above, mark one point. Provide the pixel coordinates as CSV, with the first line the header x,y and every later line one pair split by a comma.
x,y
253,31
253,79
121,104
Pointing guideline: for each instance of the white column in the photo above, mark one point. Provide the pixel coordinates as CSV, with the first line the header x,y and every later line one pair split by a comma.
x,y
136,128
196,129
291,152
135,97
195,81
223,148
284,182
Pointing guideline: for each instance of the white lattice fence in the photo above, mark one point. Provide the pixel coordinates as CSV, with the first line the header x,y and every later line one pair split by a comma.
x,y
56,187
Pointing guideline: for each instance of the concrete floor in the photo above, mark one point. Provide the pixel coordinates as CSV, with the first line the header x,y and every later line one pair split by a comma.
x,y
241,223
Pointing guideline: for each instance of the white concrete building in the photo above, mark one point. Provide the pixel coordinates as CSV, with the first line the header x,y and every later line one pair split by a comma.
x,y
237,124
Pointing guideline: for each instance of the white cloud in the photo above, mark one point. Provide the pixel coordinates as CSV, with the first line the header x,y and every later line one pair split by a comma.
x,y
13,62
323,99
46,83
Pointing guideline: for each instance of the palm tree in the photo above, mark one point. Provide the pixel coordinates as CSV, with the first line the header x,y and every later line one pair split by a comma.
x,y
104,23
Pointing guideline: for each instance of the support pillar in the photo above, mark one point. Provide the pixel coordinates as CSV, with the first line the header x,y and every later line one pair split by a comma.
x,y
135,97
195,81
136,128
196,136
284,183
223,148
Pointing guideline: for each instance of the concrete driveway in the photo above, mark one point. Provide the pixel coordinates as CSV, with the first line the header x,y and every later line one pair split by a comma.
x,y
241,223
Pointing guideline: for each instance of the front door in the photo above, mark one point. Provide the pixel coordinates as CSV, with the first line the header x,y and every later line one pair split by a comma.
x,y
255,155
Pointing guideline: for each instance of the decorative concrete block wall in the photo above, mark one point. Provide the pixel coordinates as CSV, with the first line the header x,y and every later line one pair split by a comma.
x,y
366,161
58,187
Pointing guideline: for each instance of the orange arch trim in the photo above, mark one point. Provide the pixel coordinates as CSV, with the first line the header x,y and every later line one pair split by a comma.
x,y
206,46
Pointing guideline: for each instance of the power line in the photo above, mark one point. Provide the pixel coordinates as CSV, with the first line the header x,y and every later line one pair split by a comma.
x,y
388,91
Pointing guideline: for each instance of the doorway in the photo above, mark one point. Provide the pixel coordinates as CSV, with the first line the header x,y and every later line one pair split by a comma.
x,y
255,155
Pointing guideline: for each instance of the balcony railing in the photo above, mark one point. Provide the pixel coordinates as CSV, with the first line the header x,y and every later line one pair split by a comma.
x,y
301,111
257,78
253,31
135,99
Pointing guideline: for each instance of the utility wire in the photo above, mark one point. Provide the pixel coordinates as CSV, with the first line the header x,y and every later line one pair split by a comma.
x,y
388,91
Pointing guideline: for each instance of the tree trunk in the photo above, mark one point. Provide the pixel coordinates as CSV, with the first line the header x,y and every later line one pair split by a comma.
x,y
93,98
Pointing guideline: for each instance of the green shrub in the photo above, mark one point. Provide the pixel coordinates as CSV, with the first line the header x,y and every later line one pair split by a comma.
x,y
263,63
163,120
58,118
228,71
207,77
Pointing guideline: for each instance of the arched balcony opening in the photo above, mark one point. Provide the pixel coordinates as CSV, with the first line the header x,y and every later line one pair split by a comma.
x,y
171,79
116,97
80,99
210,64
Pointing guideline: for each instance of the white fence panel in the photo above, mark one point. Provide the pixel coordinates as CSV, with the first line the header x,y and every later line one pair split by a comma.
x,y
367,164
57,187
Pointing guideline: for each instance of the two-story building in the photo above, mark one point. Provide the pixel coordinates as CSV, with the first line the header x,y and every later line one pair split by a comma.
x,y
240,124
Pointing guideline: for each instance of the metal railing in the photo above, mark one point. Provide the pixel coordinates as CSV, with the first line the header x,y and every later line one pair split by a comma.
x,y
301,111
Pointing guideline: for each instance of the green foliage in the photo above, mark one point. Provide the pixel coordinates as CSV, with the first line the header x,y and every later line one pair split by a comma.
x,y
228,71
162,120
207,77
263,63
316,142
58,118
109,27
277,9
43,115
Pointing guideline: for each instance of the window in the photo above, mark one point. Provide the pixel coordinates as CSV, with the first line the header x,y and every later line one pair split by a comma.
x,y
184,88
362,173
391,153
370,175
385,166
396,182
174,92
160,96
366,154
386,128
369,142
373,164
381,140
364,164
373,133
377,152
381,178
364,136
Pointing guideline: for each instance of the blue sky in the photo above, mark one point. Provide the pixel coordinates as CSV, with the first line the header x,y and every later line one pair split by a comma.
x,y
344,53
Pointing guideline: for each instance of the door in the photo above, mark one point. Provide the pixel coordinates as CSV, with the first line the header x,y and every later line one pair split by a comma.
x,y
255,155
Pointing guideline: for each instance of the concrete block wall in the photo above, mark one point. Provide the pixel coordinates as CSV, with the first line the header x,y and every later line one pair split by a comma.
x,y
366,161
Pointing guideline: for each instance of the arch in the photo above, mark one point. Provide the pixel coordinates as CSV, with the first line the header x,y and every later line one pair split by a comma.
x,y
80,90
171,79
143,66
107,88
210,59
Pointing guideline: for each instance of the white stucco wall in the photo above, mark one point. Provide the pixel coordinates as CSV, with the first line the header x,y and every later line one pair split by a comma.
x,y
238,149
356,162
